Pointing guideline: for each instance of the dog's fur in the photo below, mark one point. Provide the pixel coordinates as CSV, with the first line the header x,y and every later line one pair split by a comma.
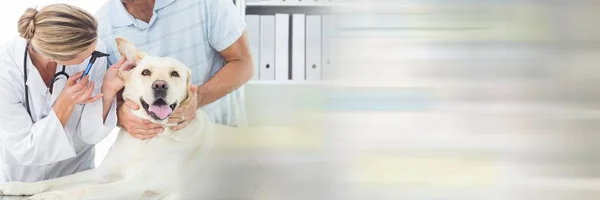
x,y
156,168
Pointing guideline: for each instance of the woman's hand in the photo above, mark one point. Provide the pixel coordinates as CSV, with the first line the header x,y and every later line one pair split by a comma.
x,y
74,93
78,92
112,83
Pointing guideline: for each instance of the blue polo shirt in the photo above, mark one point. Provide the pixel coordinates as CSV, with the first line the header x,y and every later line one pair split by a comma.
x,y
192,31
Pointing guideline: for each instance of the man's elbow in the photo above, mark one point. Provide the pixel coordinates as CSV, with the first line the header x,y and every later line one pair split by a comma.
x,y
244,67
245,59
239,53
248,68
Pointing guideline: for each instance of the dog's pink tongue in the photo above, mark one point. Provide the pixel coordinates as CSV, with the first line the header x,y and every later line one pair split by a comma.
x,y
160,111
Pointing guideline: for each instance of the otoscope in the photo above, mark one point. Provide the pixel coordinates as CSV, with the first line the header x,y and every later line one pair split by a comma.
x,y
95,54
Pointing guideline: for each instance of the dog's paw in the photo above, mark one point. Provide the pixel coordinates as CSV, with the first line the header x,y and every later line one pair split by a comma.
x,y
47,196
10,189
18,189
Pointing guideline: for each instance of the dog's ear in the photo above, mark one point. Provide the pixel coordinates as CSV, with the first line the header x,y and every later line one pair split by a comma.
x,y
125,71
129,50
189,77
190,92
132,56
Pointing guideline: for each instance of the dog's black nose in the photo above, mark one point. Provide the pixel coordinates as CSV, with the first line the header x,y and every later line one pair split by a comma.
x,y
160,88
160,85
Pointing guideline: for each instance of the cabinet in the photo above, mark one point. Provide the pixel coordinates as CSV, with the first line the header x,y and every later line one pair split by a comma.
x,y
290,40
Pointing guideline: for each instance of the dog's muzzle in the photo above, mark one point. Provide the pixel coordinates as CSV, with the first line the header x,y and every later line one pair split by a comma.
x,y
159,109
159,88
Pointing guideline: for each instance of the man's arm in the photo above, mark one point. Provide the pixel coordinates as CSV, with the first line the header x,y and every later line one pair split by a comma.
x,y
237,71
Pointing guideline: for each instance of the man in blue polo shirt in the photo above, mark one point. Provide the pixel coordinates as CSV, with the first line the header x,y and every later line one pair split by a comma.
x,y
206,35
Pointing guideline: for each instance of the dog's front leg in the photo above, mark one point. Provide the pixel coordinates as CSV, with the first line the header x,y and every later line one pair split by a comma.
x,y
77,179
120,190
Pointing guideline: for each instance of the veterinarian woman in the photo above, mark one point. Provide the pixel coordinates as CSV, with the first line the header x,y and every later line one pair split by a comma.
x,y
49,118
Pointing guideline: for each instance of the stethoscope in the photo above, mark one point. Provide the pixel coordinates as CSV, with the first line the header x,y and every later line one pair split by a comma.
x,y
95,55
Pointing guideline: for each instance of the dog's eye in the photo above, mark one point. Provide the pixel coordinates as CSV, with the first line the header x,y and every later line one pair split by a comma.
x,y
174,74
146,72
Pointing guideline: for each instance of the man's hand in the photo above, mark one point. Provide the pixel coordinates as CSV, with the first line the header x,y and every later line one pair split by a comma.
x,y
139,128
186,111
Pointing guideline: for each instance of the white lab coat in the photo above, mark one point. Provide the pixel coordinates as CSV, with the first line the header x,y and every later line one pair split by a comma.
x,y
42,149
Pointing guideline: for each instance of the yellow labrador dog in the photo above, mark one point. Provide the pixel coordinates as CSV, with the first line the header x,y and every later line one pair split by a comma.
x,y
158,168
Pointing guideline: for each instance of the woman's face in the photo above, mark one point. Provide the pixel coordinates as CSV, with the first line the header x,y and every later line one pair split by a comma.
x,y
80,57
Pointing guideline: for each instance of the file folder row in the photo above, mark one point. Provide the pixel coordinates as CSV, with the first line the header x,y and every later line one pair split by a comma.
x,y
289,46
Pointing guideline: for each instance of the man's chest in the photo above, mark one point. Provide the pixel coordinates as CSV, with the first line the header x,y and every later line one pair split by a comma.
x,y
166,38
185,41
179,30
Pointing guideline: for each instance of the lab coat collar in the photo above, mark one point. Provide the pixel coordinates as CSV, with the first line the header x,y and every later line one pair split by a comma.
x,y
19,51
120,16
33,77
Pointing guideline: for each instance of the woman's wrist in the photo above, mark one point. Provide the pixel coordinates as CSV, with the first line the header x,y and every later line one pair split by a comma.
x,y
109,96
63,109
64,102
110,92
107,92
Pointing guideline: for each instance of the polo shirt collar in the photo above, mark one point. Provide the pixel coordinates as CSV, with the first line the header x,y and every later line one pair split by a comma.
x,y
120,17
159,4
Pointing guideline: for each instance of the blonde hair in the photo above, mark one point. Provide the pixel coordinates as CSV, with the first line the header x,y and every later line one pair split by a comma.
x,y
58,31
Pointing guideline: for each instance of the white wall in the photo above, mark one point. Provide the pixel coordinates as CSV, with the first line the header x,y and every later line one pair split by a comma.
x,y
11,13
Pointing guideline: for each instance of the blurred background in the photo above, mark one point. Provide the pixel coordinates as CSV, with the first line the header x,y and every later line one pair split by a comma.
x,y
467,99
419,99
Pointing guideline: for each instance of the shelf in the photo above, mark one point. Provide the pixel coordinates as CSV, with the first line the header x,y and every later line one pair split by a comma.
x,y
289,4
